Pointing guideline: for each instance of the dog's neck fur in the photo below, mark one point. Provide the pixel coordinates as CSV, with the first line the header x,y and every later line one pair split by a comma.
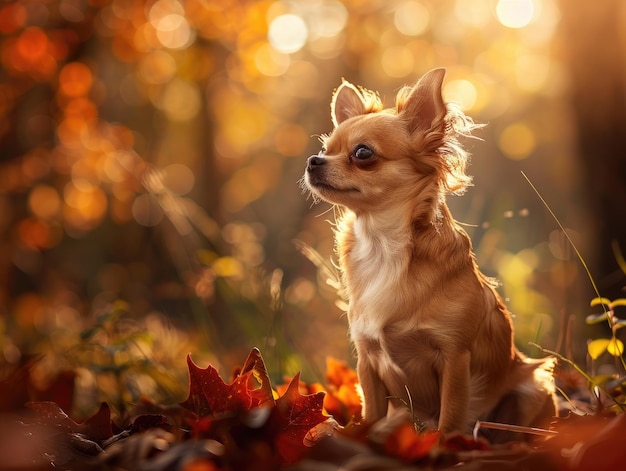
x,y
407,226
376,249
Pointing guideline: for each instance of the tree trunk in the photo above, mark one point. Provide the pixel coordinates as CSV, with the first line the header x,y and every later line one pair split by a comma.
x,y
594,38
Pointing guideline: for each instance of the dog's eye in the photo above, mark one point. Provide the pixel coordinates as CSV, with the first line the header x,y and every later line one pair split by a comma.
x,y
362,152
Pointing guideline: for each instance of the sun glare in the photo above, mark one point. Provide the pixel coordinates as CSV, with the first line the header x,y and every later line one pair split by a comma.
x,y
515,13
287,33
461,91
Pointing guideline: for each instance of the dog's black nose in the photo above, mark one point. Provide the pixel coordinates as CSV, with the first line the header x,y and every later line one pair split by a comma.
x,y
314,161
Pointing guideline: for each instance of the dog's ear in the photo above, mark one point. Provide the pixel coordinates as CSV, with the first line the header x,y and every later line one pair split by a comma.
x,y
347,101
422,106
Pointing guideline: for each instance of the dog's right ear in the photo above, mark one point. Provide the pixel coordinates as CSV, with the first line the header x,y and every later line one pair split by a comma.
x,y
349,101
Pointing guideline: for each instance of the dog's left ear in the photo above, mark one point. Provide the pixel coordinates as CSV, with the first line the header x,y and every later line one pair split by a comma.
x,y
423,106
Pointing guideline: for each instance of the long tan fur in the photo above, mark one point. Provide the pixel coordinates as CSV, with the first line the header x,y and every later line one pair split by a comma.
x,y
422,317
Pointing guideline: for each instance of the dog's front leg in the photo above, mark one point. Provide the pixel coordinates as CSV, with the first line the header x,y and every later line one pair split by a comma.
x,y
375,395
454,393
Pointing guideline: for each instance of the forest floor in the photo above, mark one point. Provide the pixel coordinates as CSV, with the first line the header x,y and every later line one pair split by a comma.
x,y
248,424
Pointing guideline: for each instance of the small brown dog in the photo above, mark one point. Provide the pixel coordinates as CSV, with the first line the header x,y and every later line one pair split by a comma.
x,y
425,321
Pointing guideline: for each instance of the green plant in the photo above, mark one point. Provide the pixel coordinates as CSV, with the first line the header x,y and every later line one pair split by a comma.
x,y
612,345
120,359
611,385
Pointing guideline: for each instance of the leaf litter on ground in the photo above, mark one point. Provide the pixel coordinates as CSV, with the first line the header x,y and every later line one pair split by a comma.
x,y
247,424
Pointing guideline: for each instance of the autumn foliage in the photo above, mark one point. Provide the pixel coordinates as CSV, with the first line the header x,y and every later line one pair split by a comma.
x,y
248,424
257,424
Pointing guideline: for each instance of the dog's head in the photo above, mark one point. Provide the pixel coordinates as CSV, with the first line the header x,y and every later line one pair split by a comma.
x,y
375,157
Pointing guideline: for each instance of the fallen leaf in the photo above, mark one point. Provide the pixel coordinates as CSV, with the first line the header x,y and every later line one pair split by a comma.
x,y
338,373
292,417
97,427
342,400
410,446
262,395
210,395
460,442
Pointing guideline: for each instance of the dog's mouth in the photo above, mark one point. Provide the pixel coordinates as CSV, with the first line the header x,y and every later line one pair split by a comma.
x,y
322,185
326,186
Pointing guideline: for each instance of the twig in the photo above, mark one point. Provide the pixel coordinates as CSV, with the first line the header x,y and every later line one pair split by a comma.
x,y
511,428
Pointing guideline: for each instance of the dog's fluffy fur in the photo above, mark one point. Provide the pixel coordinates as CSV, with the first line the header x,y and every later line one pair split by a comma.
x,y
423,318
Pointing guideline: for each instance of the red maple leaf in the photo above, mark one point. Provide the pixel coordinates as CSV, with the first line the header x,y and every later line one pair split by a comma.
x,y
292,418
262,394
342,399
210,395
277,426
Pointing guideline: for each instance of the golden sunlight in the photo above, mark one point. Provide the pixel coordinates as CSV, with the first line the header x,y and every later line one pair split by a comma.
x,y
517,141
287,33
462,92
515,13
411,18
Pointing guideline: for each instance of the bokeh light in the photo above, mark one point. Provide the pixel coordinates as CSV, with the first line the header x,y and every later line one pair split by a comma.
x,y
173,31
325,18
287,33
411,18
178,178
12,17
397,61
517,141
44,202
462,92
75,80
476,13
180,100
157,67
515,13
271,62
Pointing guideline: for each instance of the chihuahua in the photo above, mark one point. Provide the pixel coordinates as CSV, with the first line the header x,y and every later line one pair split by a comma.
x,y
429,328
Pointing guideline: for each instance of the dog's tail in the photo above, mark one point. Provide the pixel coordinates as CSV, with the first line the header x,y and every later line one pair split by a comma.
x,y
536,392
530,401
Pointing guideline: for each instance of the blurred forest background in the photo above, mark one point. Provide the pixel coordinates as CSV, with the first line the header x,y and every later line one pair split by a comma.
x,y
150,154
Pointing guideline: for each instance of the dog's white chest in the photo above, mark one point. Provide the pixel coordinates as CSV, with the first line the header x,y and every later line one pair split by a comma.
x,y
375,286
